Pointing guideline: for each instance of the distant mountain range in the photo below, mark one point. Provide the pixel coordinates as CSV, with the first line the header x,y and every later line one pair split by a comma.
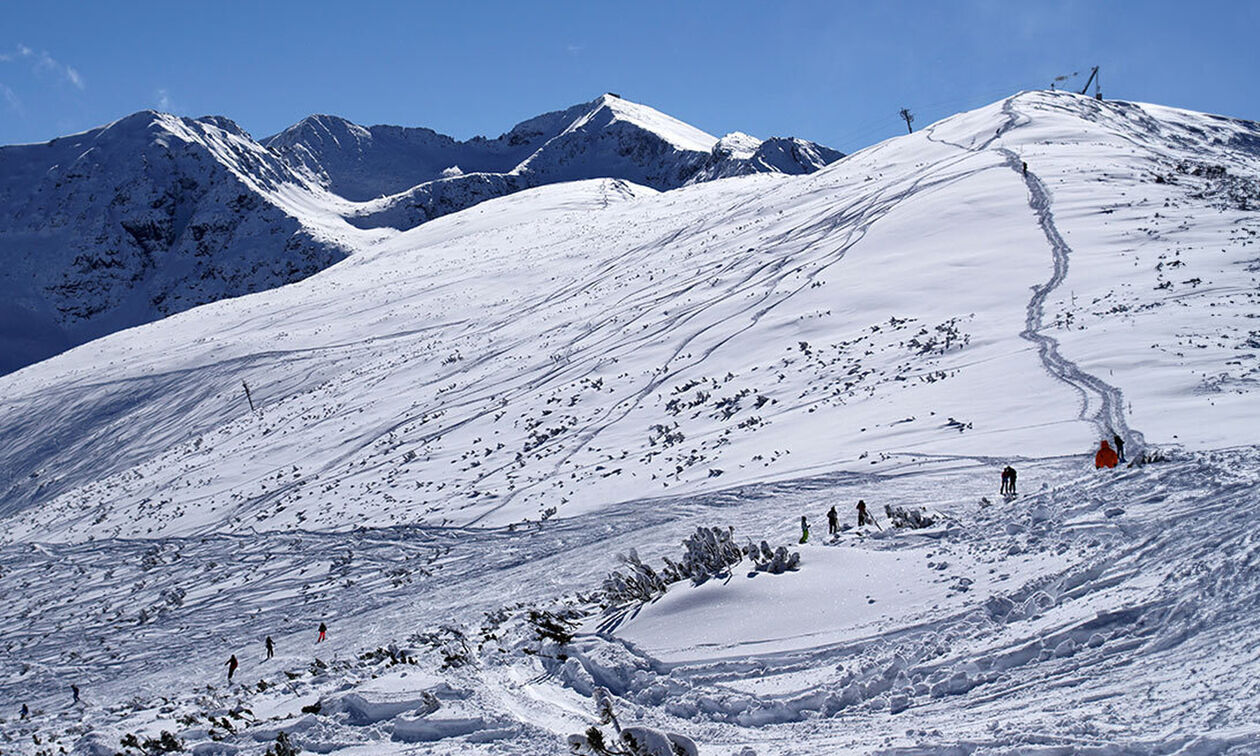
x,y
154,213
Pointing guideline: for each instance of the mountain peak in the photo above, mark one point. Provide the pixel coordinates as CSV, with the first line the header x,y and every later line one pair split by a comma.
x,y
680,135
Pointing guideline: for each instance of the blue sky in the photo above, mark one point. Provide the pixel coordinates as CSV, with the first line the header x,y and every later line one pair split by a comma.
x,y
834,72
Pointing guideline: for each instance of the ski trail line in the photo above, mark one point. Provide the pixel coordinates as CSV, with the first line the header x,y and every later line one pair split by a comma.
x,y
1108,417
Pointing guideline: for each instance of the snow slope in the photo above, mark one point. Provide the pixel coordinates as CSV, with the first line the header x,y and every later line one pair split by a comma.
x,y
593,342
470,419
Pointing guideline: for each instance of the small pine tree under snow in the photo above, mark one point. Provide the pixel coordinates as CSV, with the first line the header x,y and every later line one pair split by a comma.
x,y
708,553
909,517
634,741
638,584
776,561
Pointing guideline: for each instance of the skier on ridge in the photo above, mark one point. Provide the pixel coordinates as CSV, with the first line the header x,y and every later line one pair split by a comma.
x,y
232,664
1106,456
271,647
1119,442
833,521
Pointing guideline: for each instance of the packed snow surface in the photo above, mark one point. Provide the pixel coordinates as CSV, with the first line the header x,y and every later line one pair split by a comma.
x,y
457,429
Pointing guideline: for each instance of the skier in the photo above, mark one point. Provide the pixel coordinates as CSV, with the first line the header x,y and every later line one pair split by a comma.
x,y
1106,456
271,648
26,711
1025,167
232,664
1008,480
1119,445
864,517
804,530
324,628
74,691
833,521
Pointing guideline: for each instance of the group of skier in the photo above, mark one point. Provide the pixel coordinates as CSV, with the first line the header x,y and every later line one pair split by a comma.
x,y
234,664
1106,457
833,521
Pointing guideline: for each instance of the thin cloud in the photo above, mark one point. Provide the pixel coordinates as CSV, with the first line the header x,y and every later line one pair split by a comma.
x,y
162,99
44,63
11,98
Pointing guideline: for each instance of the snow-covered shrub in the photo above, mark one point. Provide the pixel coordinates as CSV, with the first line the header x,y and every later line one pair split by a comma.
x,y
634,741
449,641
644,741
903,517
553,626
1148,457
709,552
774,561
283,746
604,707
639,583
164,743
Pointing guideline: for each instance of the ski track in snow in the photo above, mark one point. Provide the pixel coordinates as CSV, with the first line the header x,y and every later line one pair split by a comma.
x,y
1109,417
1063,607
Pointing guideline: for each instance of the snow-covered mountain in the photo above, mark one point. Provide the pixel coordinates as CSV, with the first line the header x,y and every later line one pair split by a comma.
x,y
598,341
366,162
405,177
455,430
154,214
142,218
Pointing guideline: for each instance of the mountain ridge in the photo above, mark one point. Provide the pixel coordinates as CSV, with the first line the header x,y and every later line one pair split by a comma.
x,y
154,213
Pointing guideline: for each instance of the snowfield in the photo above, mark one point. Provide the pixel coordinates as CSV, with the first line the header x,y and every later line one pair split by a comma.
x,y
459,427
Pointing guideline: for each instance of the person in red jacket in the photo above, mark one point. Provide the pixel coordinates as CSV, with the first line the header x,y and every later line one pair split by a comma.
x,y
1106,456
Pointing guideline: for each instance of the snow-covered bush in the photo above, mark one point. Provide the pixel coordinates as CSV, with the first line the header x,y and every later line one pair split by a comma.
x,y
634,741
709,552
904,517
644,741
639,583
283,746
1148,457
448,641
774,561
553,626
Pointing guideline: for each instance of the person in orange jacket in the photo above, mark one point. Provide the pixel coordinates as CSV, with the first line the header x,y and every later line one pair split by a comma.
x,y
1106,456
